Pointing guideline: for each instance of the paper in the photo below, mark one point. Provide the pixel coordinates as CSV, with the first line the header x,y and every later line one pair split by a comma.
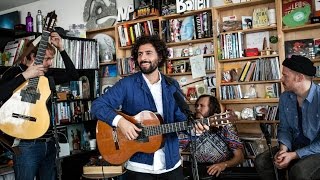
x,y
198,66
255,40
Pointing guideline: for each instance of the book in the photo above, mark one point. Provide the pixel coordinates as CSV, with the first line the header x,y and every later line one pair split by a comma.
x,y
317,47
85,87
75,132
244,71
246,22
260,17
290,5
297,47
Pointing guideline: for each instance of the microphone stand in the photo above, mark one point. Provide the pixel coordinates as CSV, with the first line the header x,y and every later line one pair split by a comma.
x,y
54,98
193,146
268,140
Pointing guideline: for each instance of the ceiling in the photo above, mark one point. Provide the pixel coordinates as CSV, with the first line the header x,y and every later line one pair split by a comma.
x,y
8,4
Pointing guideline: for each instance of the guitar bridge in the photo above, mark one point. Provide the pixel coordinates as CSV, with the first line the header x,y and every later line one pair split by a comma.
x,y
21,116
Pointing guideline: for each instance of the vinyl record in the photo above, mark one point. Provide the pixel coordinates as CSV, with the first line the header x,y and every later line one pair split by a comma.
x,y
106,47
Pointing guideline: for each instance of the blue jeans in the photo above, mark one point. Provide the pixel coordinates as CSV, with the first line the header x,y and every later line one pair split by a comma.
x,y
35,159
301,169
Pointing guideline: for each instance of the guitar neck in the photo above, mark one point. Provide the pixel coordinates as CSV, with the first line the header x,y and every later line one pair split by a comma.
x,y
40,55
171,127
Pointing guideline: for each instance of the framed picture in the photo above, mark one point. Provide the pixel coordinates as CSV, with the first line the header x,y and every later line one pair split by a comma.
x,y
192,93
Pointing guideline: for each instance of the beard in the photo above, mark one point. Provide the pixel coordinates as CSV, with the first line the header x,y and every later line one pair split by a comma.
x,y
150,69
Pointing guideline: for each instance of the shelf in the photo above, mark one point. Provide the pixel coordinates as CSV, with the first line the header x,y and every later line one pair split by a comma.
x,y
188,73
247,58
243,4
194,41
255,122
250,101
253,30
184,14
101,29
301,28
125,47
316,79
250,82
107,63
139,20
315,60
187,57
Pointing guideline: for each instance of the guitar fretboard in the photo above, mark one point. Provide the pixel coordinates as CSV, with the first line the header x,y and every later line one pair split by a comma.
x,y
171,127
33,82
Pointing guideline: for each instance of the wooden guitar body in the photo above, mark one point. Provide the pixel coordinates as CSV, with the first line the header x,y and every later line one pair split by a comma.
x,y
116,148
26,120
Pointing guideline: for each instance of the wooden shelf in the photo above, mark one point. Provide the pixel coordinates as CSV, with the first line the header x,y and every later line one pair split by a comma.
x,y
260,29
194,41
255,122
315,60
101,29
250,82
243,4
250,101
188,73
187,57
252,58
316,79
139,20
125,47
184,14
107,63
301,28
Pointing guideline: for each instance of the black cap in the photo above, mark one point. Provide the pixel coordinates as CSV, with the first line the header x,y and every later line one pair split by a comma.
x,y
300,64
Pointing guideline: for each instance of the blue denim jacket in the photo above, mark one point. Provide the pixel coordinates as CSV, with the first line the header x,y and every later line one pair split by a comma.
x,y
134,95
288,127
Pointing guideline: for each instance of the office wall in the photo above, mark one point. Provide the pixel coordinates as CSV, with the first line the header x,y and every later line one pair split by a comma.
x,y
68,11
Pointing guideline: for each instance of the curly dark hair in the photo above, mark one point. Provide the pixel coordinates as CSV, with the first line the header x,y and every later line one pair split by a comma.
x,y
159,45
214,104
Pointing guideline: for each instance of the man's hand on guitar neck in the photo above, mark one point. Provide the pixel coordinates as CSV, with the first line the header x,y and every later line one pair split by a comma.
x,y
33,71
56,41
199,127
128,129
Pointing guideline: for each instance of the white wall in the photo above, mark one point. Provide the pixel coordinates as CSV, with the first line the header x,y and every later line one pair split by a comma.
x,y
68,11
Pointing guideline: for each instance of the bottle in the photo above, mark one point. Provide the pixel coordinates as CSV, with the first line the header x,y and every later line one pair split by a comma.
x,y
39,21
29,23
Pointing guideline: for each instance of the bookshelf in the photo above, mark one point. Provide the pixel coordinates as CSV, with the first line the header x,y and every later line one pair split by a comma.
x,y
247,128
231,58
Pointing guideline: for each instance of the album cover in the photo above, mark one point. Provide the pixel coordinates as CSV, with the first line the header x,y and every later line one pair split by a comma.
x,y
298,47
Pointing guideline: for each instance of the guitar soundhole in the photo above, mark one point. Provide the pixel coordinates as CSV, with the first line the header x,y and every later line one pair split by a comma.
x,y
30,95
142,136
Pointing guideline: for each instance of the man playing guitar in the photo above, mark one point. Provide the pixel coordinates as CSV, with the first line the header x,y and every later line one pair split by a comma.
x,y
37,156
146,90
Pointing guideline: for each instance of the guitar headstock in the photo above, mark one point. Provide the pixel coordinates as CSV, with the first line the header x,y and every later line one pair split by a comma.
x,y
50,21
221,119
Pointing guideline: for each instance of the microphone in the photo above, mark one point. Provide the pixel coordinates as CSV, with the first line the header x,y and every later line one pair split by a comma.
x,y
265,132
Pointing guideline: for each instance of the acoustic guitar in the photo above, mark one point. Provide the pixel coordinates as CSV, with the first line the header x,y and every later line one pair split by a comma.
x,y
25,114
116,148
